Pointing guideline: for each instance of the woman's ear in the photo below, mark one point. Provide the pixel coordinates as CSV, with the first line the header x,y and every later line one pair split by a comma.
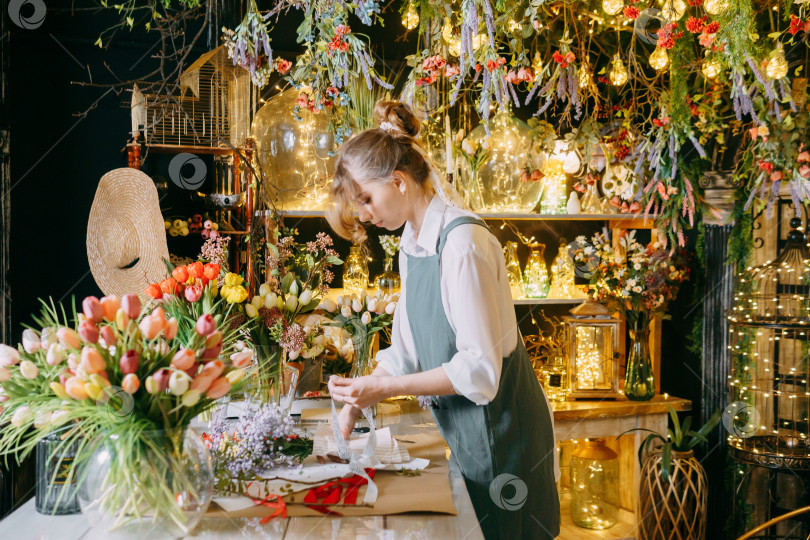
x,y
400,183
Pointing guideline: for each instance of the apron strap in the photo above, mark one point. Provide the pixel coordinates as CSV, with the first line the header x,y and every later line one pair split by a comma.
x,y
463,220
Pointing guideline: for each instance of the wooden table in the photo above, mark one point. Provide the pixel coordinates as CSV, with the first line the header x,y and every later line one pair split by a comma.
x,y
25,523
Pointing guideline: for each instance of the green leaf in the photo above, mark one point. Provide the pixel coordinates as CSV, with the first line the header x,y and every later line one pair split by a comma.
x,y
774,35
666,461
98,42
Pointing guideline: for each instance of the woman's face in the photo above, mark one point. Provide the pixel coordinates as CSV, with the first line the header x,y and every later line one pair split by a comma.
x,y
385,204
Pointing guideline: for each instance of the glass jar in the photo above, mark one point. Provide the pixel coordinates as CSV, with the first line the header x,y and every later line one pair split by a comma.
x,y
535,274
388,282
56,478
154,484
555,198
555,376
513,270
594,485
562,273
355,271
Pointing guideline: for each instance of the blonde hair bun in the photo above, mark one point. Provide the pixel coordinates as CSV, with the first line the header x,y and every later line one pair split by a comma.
x,y
398,115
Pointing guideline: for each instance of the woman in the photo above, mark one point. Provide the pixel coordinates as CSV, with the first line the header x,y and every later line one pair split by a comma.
x,y
454,335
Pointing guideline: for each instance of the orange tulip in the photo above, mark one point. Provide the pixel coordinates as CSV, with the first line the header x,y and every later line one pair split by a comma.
x,y
180,274
153,291
202,382
74,387
211,271
213,368
170,329
195,270
218,388
92,309
92,361
169,286
132,304
151,326
131,383
184,359
68,338
110,305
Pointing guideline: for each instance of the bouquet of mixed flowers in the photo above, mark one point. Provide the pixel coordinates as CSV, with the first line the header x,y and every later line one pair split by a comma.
x,y
362,317
120,375
256,445
277,317
635,280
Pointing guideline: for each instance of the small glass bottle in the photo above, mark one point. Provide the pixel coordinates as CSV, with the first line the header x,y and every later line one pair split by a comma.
x,y
555,376
355,271
591,203
513,270
388,282
562,273
535,274
594,485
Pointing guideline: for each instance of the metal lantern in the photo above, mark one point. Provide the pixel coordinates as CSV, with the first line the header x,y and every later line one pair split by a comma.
x,y
593,339
770,348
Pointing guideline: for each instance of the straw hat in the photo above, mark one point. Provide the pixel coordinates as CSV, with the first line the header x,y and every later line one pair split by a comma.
x,y
126,240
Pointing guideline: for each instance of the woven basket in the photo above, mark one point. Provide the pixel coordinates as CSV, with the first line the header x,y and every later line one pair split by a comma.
x,y
673,509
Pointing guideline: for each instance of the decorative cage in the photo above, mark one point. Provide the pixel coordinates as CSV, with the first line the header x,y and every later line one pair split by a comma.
x,y
215,104
770,359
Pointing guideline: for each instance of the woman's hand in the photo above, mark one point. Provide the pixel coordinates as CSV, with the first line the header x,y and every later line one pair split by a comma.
x,y
347,417
360,392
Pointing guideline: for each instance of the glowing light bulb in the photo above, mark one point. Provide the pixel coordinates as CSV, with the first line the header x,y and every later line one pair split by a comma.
x,y
715,7
454,43
712,68
612,7
584,75
659,58
777,64
513,25
618,73
411,19
673,10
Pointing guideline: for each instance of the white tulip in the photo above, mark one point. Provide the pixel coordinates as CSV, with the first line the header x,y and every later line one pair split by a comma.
x,y
48,337
42,420
30,341
20,416
294,288
270,300
28,369
251,311
379,309
328,305
9,356
179,383
389,309
305,297
292,355
264,289
280,302
346,311
339,300
56,354
257,302
366,318
357,306
235,376
291,303
59,417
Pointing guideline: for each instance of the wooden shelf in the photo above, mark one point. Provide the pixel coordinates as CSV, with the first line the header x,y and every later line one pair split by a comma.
x,y
178,148
577,410
627,221
548,301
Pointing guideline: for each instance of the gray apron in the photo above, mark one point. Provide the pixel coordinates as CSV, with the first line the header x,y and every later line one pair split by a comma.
x,y
505,449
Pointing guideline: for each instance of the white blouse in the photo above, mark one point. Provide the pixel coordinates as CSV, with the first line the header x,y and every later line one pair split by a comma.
x,y
476,298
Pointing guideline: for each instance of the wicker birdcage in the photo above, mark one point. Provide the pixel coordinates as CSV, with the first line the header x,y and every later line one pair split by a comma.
x,y
215,104
770,359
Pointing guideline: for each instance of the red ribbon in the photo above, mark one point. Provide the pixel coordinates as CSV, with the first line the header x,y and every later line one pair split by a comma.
x,y
271,501
330,493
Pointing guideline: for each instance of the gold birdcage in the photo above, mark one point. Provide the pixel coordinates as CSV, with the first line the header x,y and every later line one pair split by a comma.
x,y
215,104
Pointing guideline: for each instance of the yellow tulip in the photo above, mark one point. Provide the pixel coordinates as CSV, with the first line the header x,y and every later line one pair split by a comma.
x,y
93,390
59,390
233,280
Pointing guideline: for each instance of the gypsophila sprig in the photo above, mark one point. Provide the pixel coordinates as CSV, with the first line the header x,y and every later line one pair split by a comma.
x,y
390,244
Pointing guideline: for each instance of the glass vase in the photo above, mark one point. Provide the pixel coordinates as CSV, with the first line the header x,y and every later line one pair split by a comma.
x,y
594,485
355,271
535,274
562,273
555,198
513,270
56,479
639,380
591,203
362,361
156,484
388,282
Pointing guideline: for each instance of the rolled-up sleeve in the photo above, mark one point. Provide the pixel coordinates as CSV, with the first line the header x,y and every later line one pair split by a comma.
x,y
474,305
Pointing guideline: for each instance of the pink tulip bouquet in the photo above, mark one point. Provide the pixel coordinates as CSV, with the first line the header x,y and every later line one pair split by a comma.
x,y
117,378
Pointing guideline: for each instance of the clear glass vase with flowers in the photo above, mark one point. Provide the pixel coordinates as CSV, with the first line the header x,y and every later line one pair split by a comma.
x,y
125,385
280,322
638,282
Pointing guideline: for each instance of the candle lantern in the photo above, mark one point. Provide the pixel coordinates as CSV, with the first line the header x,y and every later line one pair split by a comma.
x,y
593,339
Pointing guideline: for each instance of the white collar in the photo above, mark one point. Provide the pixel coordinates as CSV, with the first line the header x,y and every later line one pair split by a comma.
x,y
432,224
